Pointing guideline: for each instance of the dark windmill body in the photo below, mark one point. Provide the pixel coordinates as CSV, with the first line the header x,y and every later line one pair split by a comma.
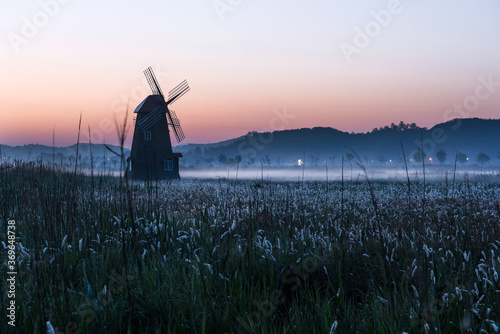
x,y
151,157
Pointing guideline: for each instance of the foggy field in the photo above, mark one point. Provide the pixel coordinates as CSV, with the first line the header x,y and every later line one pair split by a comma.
x,y
251,254
297,173
263,167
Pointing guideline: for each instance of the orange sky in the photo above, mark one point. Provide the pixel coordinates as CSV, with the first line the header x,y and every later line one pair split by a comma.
x,y
259,59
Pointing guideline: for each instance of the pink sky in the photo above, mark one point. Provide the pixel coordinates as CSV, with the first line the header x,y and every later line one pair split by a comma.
x,y
260,58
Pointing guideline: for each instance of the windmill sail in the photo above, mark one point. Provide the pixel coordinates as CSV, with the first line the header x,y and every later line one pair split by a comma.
x,y
155,115
176,126
153,83
150,120
178,92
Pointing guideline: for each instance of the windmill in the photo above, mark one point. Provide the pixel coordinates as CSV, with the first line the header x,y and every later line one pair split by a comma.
x,y
151,156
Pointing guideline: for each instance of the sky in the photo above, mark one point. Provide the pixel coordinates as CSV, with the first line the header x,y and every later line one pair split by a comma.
x,y
251,65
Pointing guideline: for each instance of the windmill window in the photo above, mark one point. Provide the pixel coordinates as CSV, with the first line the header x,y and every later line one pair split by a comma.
x,y
168,165
147,135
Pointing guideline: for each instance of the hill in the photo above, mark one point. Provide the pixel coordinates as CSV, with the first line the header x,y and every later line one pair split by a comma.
x,y
64,155
314,146
469,136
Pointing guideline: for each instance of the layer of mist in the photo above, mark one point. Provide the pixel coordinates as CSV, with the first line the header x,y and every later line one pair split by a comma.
x,y
353,174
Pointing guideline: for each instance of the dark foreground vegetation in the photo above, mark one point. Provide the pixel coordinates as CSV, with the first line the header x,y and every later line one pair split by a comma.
x,y
95,254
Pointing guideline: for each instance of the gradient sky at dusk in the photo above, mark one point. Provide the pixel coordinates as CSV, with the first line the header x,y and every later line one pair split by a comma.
x,y
259,59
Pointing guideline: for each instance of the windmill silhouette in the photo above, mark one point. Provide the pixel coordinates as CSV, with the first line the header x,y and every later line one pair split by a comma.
x,y
151,157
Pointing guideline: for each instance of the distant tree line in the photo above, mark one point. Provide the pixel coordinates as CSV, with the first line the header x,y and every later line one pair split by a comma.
x,y
402,126
198,160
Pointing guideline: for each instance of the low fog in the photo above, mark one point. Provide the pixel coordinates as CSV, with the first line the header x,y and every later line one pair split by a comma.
x,y
350,174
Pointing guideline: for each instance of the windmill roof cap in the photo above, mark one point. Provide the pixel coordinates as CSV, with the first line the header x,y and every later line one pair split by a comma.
x,y
149,104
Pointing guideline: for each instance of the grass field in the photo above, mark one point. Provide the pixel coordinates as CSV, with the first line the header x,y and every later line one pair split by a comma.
x,y
96,254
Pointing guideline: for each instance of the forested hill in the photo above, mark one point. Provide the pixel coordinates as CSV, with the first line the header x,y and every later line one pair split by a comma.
x,y
468,136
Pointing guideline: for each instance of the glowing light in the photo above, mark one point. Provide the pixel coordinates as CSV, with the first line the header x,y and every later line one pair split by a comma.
x,y
300,162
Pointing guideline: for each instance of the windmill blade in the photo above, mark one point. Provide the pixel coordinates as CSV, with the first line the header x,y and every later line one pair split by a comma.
x,y
151,118
151,121
149,78
178,92
178,96
178,88
153,83
176,125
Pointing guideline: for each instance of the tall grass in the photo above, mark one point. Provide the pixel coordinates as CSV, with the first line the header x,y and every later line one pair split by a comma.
x,y
214,256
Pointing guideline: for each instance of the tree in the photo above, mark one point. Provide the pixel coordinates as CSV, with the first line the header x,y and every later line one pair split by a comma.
x,y
462,158
222,159
482,158
441,155
333,157
419,156
238,159
402,126
267,160
314,159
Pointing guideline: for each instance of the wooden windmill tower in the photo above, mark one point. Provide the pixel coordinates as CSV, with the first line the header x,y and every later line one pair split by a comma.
x,y
151,157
